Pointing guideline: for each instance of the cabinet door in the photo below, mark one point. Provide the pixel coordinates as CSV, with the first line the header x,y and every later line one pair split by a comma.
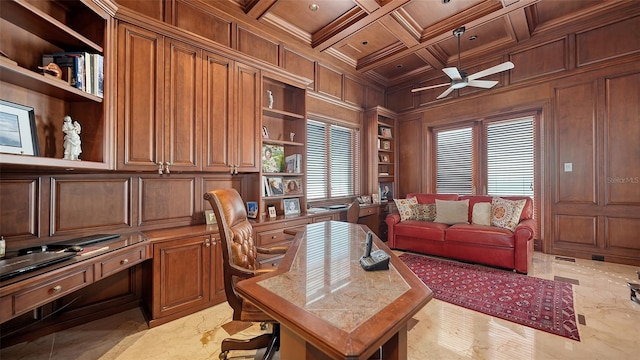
x,y
182,106
218,75
247,127
181,270
139,98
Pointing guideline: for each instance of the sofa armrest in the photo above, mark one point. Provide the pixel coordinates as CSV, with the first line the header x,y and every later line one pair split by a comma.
x,y
524,233
391,220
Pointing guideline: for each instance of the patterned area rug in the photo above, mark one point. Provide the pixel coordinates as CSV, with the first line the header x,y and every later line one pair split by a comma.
x,y
541,304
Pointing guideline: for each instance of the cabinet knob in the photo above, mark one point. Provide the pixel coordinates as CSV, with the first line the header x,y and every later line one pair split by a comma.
x,y
57,289
231,169
124,262
166,168
160,169
274,237
207,242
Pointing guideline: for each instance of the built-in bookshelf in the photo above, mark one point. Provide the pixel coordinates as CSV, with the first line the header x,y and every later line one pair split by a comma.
x,y
381,124
282,177
31,30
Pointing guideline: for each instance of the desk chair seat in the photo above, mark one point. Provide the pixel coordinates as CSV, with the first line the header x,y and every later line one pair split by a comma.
x,y
240,262
353,213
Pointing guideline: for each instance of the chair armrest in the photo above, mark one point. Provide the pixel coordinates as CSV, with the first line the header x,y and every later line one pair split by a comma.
x,y
525,230
241,272
272,250
265,270
392,219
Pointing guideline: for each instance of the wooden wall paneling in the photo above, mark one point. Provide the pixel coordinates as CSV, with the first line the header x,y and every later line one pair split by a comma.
x,y
608,42
335,111
401,98
412,156
212,182
576,231
140,94
374,97
166,201
622,236
20,207
329,81
622,140
298,64
154,9
353,91
541,60
183,106
257,46
248,107
575,143
218,74
190,16
89,204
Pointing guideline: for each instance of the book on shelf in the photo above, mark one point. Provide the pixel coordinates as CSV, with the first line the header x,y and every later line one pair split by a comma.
x,y
294,163
266,189
81,70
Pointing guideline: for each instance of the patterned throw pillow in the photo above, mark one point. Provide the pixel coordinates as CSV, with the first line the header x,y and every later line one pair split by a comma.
x,y
506,213
481,214
405,208
452,212
424,212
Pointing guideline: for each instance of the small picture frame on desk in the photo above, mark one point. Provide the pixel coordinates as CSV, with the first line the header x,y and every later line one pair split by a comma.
x,y
252,209
271,210
375,198
210,217
291,206
386,191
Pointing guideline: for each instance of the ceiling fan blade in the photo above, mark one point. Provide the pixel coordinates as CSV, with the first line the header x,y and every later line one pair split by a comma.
x,y
453,73
492,70
482,83
429,87
445,93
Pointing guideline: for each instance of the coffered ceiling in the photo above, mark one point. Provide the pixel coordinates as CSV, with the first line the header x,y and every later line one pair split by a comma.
x,y
397,41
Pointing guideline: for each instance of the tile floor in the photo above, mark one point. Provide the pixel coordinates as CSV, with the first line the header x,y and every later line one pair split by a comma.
x,y
610,328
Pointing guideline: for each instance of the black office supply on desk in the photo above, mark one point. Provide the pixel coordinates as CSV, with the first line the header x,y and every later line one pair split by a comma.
x,y
372,261
21,264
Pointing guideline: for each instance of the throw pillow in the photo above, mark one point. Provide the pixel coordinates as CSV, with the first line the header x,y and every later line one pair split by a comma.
x,y
405,208
452,212
424,212
481,214
506,213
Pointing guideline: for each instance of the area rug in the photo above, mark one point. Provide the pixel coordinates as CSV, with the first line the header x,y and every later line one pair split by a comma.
x,y
541,304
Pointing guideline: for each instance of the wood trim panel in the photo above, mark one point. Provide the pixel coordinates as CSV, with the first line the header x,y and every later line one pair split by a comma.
x,y
21,203
598,44
166,200
89,204
622,235
298,64
576,231
542,60
257,46
187,15
353,92
329,82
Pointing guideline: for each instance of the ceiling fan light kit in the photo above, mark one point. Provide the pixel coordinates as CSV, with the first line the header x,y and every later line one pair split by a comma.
x,y
460,79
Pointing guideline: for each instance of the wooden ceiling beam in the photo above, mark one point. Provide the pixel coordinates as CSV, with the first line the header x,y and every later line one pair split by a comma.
x,y
257,8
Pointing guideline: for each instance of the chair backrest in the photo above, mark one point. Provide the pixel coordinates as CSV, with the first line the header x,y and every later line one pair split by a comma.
x,y
238,249
353,213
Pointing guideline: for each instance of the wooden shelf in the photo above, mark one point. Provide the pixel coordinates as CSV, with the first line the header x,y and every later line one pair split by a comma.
x,y
281,113
24,162
281,142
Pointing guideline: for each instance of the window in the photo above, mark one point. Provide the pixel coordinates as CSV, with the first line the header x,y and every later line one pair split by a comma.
x,y
333,164
454,157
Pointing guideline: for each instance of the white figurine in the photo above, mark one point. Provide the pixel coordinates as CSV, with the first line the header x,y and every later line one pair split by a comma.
x,y
72,140
270,99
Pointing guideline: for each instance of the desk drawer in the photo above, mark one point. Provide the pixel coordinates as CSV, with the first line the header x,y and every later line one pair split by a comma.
x,y
368,211
271,237
120,262
25,300
270,262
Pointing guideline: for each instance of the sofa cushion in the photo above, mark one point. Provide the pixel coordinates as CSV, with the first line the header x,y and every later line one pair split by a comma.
x,y
481,214
424,212
479,234
405,208
431,198
506,213
421,229
452,212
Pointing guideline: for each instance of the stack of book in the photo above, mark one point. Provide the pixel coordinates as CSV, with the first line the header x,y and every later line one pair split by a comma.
x,y
82,70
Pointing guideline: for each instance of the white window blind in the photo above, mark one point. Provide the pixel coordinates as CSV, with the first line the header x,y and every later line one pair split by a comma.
x,y
454,161
510,157
333,166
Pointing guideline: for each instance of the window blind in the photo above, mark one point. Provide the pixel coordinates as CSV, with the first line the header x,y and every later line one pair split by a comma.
x,y
454,161
510,157
317,164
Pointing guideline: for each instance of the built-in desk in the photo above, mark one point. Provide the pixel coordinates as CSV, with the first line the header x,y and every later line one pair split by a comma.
x,y
328,306
30,290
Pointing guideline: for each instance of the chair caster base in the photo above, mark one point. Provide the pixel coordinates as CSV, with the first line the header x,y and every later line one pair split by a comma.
x,y
635,292
223,355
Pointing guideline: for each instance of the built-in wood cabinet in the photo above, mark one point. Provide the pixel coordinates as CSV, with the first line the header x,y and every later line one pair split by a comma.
x,y
186,276
31,30
381,136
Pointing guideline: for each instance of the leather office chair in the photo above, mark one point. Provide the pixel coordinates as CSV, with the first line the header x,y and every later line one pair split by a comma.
x,y
240,262
353,213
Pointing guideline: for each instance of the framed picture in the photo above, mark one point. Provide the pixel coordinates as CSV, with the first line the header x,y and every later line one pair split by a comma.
x,y
265,132
386,191
375,198
384,158
275,186
291,206
385,131
386,145
272,158
272,210
18,129
252,209
210,217
292,186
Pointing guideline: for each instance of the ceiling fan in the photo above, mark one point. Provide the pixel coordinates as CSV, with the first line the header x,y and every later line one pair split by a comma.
x,y
460,79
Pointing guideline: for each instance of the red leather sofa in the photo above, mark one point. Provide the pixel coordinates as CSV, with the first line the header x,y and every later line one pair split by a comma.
x,y
489,245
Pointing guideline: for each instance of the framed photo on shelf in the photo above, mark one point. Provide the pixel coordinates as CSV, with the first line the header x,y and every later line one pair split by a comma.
x,y
385,145
265,132
18,129
272,158
252,209
385,131
272,210
292,186
375,198
275,186
384,158
386,191
291,206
